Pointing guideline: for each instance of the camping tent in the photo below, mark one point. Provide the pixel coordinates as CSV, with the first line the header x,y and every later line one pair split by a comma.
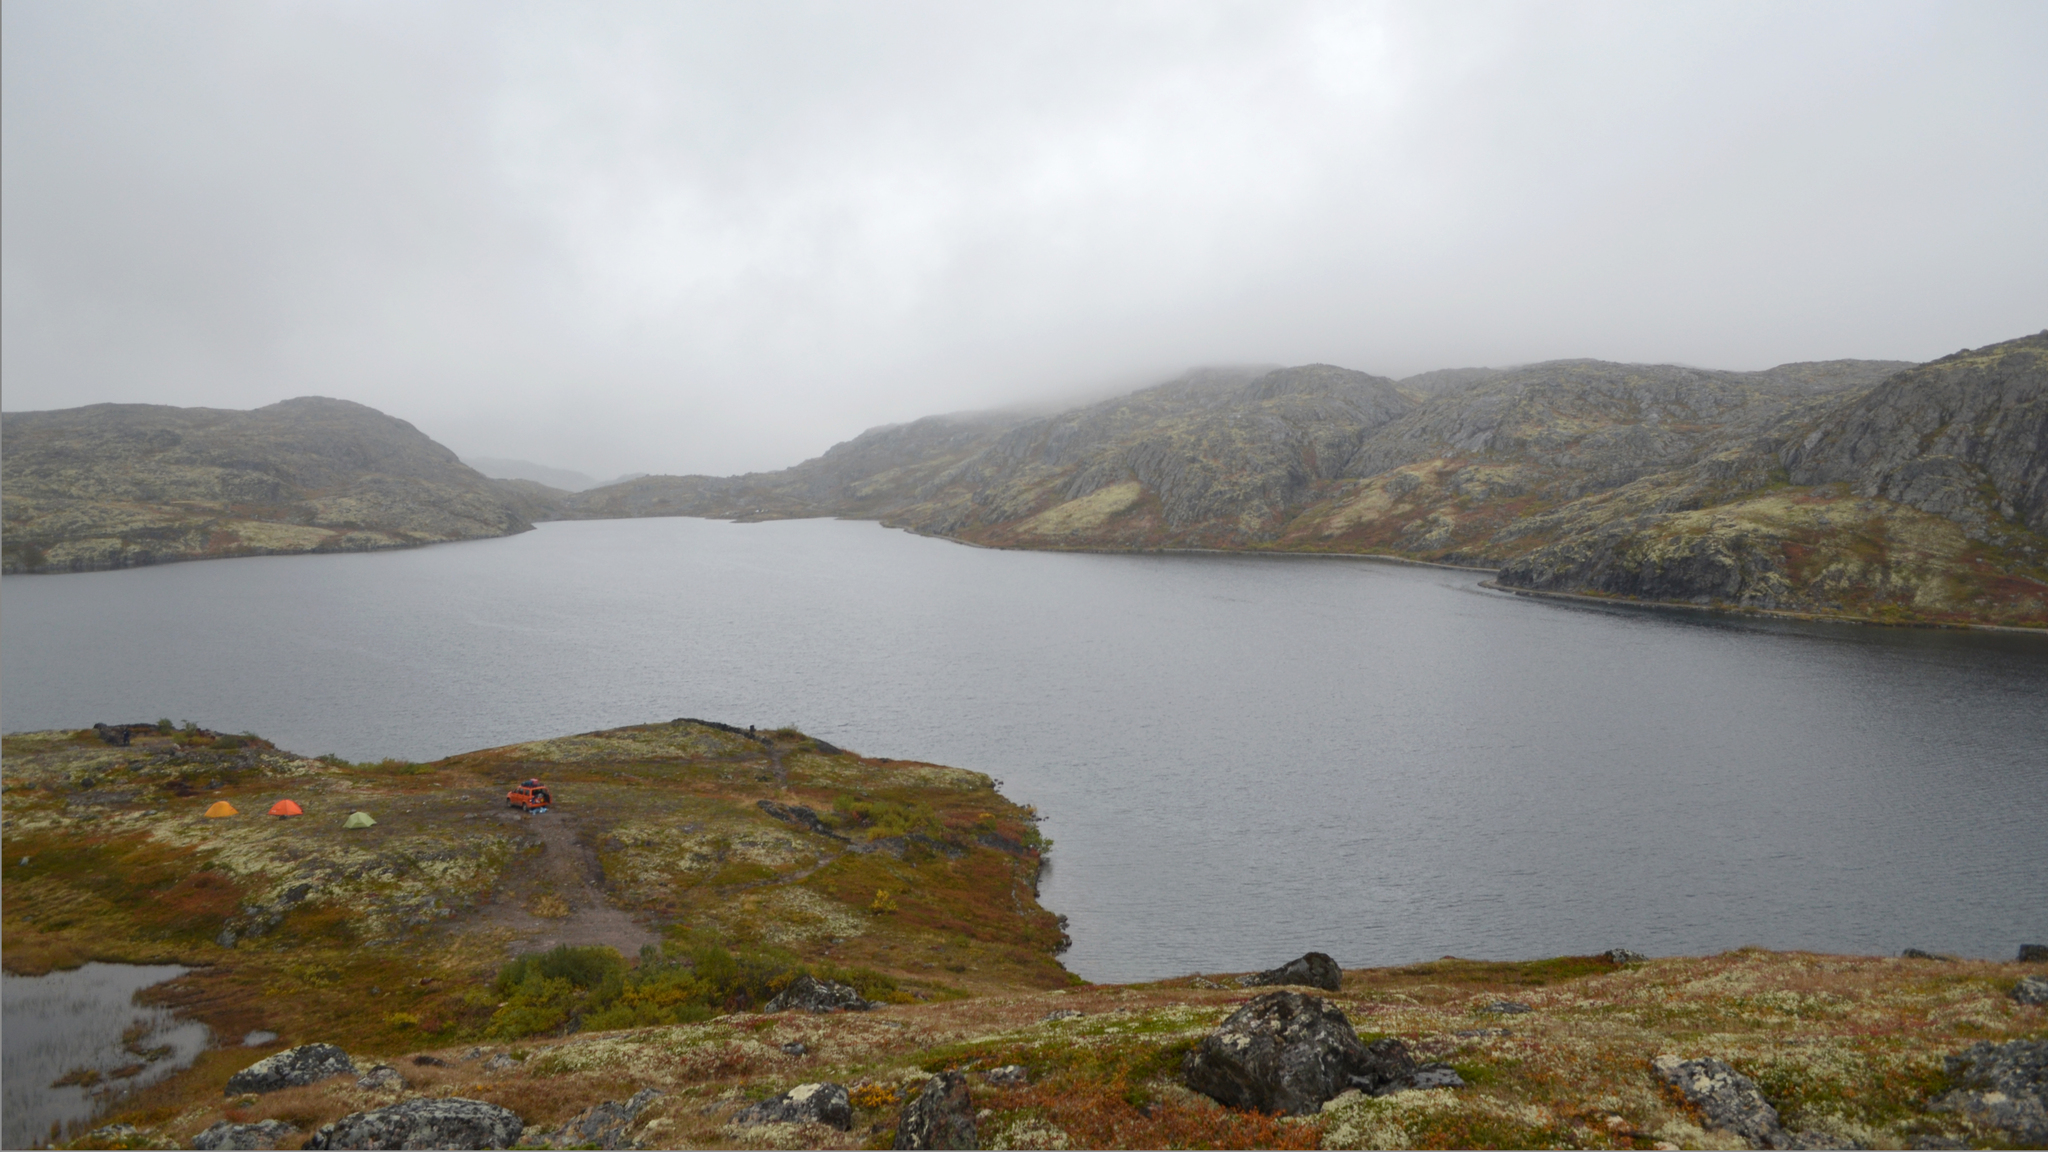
x,y
221,808
286,808
358,820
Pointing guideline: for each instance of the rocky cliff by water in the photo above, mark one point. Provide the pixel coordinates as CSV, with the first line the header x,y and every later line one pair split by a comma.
x,y
1871,489
118,485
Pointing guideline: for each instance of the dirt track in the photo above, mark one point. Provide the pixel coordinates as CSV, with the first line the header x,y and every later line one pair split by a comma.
x,y
568,872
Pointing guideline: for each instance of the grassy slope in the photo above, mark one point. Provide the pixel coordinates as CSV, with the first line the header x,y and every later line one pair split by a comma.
x,y
391,953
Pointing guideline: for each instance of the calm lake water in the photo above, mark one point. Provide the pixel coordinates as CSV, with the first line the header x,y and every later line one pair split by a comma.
x,y
1240,758
84,1019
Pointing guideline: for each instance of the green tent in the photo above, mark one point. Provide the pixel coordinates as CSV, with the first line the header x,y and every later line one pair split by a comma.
x,y
358,820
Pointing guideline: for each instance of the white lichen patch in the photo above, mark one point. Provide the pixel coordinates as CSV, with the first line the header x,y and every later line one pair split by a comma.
x,y
795,915
1026,1132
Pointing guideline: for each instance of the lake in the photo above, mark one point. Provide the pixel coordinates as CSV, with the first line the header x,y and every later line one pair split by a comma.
x,y
1240,758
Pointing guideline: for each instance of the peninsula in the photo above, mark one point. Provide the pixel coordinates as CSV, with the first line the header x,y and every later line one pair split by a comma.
x,y
722,937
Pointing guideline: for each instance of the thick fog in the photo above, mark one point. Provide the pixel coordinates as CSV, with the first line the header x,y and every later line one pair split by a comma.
x,y
710,238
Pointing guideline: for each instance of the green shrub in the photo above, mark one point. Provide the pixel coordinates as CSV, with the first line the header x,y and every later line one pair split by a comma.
x,y
879,818
694,978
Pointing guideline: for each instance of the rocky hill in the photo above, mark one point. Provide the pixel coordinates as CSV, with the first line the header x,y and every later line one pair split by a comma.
x,y
726,938
117,485
1870,489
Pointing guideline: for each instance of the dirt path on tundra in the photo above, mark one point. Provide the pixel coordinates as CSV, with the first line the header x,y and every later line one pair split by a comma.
x,y
558,897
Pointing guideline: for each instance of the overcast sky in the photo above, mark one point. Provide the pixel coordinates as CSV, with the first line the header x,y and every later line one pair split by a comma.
x,y
717,237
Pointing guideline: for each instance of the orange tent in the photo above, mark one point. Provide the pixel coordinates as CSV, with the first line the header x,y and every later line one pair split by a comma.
x,y
286,808
221,808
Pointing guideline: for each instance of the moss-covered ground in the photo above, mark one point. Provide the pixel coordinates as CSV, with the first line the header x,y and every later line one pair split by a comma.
x,y
395,941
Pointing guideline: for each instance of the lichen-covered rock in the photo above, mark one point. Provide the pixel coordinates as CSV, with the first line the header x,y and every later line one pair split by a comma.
x,y
1314,970
604,1125
2003,1087
383,1078
1726,1099
813,995
292,1068
1008,1076
941,1116
2030,990
1623,956
1289,1052
448,1123
803,1104
262,1134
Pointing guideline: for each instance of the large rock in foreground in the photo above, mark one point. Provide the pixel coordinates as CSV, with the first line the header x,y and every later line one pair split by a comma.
x,y
1287,1052
942,1116
803,1104
813,995
1726,1099
2003,1087
450,1123
292,1068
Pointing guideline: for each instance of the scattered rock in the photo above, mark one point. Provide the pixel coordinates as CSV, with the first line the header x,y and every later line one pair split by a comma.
x,y
1920,954
803,1104
1203,982
426,1123
1062,1014
2033,954
1618,956
383,1078
1726,1099
292,1068
1315,970
802,817
1289,1052
429,1062
1483,1033
814,995
262,1134
500,1061
2030,990
942,1116
1507,1008
2002,1086
1437,1076
1007,1076
115,1135
795,1048
604,1125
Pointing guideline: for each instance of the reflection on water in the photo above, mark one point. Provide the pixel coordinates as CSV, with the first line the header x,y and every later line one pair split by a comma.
x,y
1241,758
84,1027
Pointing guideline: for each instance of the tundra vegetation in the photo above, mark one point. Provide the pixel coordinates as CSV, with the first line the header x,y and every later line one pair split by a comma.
x,y
703,870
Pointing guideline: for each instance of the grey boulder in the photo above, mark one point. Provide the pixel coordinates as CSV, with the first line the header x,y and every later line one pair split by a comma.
x,y
1008,1076
1727,1099
1314,970
383,1078
449,1123
803,1104
2030,990
292,1068
1289,1052
2002,1086
941,1116
2033,954
814,995
262,1134
604,1125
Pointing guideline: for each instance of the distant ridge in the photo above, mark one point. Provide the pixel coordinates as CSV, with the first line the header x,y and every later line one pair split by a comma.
x,y
1808,487
119,485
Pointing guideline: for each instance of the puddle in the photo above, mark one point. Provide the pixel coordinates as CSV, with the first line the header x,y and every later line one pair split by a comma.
x,y
84,1026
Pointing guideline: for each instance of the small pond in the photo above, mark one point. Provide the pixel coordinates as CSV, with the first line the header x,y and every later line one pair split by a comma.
x,y
75,1041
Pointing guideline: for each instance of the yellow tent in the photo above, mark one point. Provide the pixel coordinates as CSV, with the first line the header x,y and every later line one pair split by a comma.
x,y
221,808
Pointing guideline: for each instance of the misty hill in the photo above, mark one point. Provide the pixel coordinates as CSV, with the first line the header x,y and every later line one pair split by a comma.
x,y
1848,486
499,468
117,485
